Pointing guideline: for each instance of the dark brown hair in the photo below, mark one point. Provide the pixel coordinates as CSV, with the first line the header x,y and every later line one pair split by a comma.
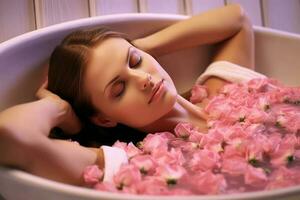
x,y
67,68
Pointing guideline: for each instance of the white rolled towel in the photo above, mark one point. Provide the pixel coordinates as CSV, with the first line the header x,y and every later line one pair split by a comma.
x,y
114,157
228,71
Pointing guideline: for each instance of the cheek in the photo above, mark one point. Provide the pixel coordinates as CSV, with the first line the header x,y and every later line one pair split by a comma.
x,y
156,68
136,113
132,110
139,118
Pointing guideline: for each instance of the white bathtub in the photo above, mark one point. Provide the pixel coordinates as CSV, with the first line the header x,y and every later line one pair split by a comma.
x,y
22,62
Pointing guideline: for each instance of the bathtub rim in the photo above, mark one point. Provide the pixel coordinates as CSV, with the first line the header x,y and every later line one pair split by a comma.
x,y
123,17
57,187
117,18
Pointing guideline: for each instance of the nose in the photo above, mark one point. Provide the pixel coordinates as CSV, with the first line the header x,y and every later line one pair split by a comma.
x,y
143,79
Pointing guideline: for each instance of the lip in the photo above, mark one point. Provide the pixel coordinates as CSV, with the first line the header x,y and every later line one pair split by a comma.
x,y
157,91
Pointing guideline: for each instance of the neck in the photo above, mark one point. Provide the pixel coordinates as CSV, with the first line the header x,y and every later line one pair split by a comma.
x,y
182,111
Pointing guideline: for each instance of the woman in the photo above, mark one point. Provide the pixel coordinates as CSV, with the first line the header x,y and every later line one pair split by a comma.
x,y
114,81
95,63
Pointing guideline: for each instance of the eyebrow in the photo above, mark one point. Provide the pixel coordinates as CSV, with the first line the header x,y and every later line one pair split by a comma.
x,y
118,76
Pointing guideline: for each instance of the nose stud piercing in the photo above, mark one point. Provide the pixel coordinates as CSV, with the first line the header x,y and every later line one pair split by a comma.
x,y
149,78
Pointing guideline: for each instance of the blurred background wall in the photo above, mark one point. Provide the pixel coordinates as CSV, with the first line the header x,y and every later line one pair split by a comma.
x,y
20,16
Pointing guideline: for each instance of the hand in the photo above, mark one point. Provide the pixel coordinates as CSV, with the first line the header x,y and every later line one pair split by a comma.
x,y
24,143
68,121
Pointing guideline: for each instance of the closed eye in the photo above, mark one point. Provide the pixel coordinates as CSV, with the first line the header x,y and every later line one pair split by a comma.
x,y
135,59
118,89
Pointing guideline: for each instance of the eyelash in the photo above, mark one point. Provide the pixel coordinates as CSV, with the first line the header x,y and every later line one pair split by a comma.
x,y
123,89
123,82
139,62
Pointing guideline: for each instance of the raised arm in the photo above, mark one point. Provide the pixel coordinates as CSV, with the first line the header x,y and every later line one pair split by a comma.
x,y
210,27
228,27
70,123
24,143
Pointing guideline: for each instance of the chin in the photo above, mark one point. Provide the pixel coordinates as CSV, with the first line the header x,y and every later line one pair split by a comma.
x,y
168,105
172,97
157,112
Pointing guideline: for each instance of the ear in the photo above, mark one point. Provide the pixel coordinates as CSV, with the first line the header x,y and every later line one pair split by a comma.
x,y
104,121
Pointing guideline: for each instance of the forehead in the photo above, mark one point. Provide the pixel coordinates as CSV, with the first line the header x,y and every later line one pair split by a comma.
x,y
106,59
108,51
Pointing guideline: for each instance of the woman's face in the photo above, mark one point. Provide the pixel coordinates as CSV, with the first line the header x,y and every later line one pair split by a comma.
x,y
128,85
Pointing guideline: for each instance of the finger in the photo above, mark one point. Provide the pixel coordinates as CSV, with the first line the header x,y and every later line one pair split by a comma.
x,y
43,91
45,83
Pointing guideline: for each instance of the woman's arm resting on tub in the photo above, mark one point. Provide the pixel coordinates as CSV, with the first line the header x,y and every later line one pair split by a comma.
x,y
227,26
24,144
69,122
238,49
208,27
